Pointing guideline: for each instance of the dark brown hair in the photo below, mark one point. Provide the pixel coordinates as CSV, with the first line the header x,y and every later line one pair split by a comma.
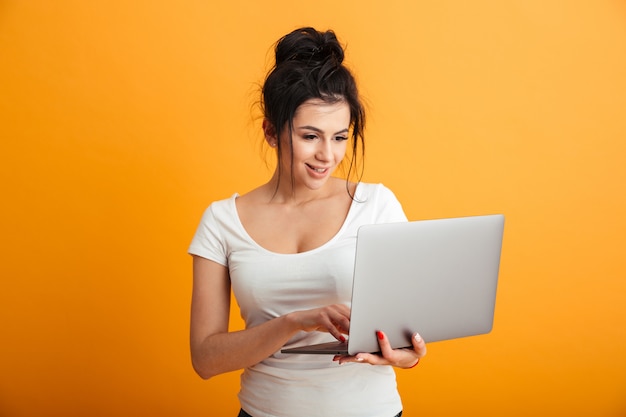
x,y
308,65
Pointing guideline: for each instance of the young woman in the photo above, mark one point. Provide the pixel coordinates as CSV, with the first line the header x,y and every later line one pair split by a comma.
x,y
286,249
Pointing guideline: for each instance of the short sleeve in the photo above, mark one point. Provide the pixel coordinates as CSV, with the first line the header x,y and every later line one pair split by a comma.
x,y
389,209
208,242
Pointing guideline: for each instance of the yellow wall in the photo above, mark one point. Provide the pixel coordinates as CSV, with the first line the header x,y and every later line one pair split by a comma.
x,y
121,121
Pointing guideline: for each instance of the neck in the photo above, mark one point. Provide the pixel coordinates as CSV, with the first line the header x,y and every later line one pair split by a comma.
x,y
283,191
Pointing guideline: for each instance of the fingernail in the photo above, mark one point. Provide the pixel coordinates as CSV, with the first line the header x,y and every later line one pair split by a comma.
x,y
417,337
342,339
380,335
360,359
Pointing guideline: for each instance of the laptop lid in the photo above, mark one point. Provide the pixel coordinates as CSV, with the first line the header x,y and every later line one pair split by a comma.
x,y
434,277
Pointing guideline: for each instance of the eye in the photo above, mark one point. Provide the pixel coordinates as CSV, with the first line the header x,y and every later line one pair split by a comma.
x,y
341,138
310,137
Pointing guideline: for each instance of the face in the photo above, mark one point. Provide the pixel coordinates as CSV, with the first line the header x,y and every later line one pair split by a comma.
x,y
319,140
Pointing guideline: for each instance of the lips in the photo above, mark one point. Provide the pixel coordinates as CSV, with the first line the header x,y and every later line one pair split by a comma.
x,y
317,170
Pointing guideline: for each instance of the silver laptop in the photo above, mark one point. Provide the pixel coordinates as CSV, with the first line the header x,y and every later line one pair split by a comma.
x,y
434,277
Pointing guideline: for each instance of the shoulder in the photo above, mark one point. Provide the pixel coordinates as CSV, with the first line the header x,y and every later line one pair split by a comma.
x,y
224,203
210,240
366,191
260,193
220,211
380,202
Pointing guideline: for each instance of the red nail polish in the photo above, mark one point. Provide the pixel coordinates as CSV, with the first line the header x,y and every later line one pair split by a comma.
x,y
342,339
380,335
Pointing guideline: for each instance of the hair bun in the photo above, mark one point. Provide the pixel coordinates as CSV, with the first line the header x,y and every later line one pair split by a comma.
x,y
309,47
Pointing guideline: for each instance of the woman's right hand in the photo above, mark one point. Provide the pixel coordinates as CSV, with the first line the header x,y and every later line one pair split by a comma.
x,y
334,319
216,350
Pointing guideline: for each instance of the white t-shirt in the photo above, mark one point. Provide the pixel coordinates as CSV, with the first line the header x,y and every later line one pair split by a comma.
x,y
268,285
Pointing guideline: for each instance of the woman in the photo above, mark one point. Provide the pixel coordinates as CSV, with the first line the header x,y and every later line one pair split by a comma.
x,y
287,251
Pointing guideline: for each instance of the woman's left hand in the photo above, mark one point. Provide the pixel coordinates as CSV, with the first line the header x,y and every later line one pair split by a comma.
x,y
401,358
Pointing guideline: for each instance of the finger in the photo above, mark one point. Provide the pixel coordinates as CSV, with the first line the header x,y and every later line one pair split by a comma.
x,y
385,358
345,358
344,310
385,346
419,345
335,330
342,318
360,358
338,318
342,324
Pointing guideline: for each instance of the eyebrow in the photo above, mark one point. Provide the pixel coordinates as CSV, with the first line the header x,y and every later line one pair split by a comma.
x,y
318,130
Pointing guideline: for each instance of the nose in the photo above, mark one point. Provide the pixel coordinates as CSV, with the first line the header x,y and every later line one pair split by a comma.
x,y
324,150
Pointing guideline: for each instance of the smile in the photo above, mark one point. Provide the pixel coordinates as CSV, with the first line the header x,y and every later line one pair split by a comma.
x,y
318,170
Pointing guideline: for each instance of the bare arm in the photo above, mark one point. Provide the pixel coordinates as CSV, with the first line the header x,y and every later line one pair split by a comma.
x,y
214,350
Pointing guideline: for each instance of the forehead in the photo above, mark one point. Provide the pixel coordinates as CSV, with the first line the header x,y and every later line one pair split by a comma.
x,y
318,111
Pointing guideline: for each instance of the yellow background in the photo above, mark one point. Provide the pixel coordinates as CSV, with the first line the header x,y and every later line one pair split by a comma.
x,y
121,121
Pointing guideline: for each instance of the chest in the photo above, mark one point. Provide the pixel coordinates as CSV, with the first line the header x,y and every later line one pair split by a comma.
x,y
268,285
288,230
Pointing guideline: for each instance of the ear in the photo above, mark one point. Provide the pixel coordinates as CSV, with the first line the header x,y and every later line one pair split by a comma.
x,y
270,133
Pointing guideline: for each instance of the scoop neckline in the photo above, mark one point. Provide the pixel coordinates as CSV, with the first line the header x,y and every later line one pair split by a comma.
x,y
308,252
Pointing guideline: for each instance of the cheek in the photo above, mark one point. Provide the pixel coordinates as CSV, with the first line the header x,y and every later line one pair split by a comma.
x,y
340,152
